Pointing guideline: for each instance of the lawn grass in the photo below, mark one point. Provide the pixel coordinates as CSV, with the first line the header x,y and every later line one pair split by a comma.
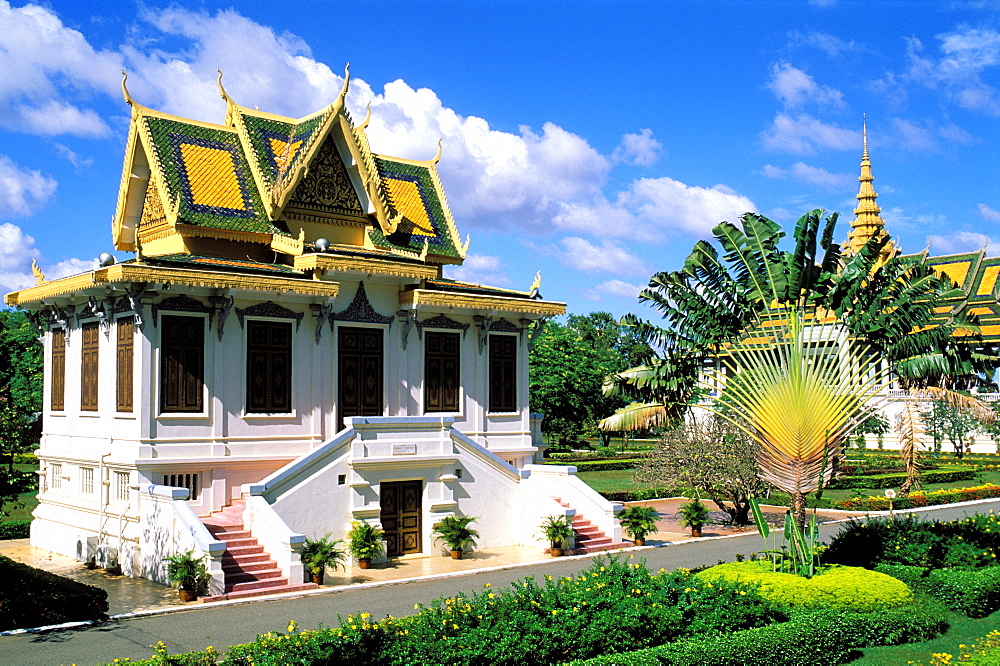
x,y
622,479
963,631
28,499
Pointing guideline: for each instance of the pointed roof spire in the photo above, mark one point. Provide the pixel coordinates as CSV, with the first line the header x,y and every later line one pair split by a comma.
x,y
867,223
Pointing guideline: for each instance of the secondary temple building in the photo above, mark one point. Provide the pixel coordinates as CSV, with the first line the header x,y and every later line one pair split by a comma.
x,y
282,357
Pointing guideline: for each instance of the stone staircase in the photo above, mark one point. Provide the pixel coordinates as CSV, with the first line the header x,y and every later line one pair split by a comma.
x,y
589,538
250,572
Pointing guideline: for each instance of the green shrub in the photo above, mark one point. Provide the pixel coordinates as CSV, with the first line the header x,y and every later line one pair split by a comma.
x,y
15,529
612,605
948,475
975,593
837,587
812,637
919,499
31,597
971,542
596,465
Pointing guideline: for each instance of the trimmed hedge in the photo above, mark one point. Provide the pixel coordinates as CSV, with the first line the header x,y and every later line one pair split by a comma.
x,y
15,529
814,637
597,465
639,495
975,593
949,475
920,498
31,597
837,587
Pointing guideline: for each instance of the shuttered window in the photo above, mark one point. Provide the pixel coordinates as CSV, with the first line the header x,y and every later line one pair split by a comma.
x,y
269,367
503,373
182,362
58,388
89,367
126,362
441,366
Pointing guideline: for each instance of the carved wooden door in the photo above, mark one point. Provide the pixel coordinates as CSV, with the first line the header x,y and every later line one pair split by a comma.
x,y
359,372
400,504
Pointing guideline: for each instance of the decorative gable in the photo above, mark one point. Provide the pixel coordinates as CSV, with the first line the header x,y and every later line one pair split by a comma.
x,y
326,190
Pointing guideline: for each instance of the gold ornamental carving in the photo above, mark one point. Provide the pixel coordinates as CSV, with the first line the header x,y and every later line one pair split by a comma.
x,y
326,187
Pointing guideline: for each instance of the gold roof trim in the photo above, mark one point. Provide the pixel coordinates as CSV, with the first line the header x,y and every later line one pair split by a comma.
x,y
450,300
333,262
196,278
125,273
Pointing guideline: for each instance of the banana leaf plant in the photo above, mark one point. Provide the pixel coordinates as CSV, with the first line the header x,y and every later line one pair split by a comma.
x,y
795,346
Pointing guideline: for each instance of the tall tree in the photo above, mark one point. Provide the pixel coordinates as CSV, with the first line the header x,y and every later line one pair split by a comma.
x,y
568,364
796,340
20,402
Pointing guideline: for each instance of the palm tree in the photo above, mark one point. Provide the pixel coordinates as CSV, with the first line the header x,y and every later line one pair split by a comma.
x,y
795,344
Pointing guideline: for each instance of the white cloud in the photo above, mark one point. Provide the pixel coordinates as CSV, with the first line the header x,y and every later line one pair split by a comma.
x,y
22,191
641,149
664,204
47,70
803,134
607,257
17,249
912,136
831,45
79,163
988,213
811,175
965,55
480,269
614,289
796,89
963,241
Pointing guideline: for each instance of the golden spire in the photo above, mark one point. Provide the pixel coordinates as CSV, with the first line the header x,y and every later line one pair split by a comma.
x,y
867,222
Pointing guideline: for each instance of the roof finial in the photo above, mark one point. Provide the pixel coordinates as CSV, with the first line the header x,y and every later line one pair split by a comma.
x,y
222,91
347,82
437,158
128,97
368,117
864,134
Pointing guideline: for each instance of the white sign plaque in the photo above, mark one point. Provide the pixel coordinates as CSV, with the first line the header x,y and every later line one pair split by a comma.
x,y
404,449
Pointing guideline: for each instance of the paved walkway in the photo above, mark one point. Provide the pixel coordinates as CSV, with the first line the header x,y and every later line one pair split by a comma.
x,y
128,595
228,623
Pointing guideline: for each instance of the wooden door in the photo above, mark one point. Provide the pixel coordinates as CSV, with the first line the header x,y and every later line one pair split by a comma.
x,y
400,504
359,372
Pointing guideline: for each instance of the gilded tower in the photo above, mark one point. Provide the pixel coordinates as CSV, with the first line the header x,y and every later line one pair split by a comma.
x,y
867,222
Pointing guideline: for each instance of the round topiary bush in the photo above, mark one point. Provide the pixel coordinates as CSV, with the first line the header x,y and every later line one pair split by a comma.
x,y
834,587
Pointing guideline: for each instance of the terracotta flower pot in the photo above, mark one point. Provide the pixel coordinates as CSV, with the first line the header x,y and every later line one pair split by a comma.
x,y
187,595
317,577
696,531
556,552
364,563
640,542
456,554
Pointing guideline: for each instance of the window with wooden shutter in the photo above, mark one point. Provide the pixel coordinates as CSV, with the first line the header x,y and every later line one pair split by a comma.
x,y
126,362
441,372
503,373
269,367
58,387
182,362
89,368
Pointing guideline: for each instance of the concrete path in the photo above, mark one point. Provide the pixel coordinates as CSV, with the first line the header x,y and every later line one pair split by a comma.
x,y
197,626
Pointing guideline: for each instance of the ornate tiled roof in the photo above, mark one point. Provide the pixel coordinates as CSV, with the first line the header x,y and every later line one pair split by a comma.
x,y
415,192
443,284
206,176
276,145
216,263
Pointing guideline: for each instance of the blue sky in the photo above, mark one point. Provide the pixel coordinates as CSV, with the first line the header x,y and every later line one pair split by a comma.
x,y
594,141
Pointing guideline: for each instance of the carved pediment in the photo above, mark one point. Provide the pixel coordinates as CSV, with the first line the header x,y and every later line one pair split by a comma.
x,y
327,190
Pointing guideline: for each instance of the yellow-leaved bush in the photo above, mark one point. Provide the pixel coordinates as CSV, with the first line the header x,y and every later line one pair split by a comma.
x,y
833,587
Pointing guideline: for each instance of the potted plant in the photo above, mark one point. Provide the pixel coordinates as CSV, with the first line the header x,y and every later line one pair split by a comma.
x,y
365,543
694,514
559,531
319,554
455,532
638,521
189,574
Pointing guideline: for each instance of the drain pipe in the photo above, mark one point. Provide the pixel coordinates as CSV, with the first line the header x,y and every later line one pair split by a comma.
x,y
103,504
